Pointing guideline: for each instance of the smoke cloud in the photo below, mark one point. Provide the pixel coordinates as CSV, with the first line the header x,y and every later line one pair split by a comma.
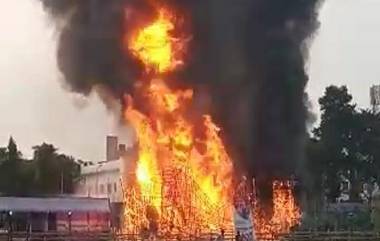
x,y
90,53
251,54
248,56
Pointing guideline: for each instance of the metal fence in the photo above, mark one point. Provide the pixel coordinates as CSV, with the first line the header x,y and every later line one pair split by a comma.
x,y
97,236
331,236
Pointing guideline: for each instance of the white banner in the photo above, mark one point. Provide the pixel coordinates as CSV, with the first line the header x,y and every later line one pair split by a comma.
x,y
243,223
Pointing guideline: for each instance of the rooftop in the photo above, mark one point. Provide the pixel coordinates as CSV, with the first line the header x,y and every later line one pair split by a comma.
x,y
54,204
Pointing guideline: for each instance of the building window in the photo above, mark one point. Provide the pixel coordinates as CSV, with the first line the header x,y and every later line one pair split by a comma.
x,y
115,187
101,188
109,188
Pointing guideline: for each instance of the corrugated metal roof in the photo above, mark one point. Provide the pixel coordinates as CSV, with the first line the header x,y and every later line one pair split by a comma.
x,y
55,204
109,166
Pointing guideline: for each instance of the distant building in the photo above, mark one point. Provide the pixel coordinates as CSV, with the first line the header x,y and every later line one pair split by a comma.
x,y
104,179
374,94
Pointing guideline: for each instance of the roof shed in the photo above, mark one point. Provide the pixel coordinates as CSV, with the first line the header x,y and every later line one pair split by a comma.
x,y
54,204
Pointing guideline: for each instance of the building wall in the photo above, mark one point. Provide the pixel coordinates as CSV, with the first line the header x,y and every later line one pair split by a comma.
x,y
102,180
91,221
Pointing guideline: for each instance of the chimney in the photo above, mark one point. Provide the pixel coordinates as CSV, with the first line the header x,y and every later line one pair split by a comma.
x,y
112,148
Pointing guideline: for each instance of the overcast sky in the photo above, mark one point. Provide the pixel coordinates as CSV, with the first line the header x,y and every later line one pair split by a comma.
x,y
34,107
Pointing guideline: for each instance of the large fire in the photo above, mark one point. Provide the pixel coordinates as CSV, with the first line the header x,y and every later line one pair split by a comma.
x,y
182,182
156,47
285,214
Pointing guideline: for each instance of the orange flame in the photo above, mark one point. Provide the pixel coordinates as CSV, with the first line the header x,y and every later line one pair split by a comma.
x,y
183,182
185,178
155,46
286,214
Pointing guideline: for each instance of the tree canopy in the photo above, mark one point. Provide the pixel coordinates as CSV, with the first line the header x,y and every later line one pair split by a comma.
x,y
48,172
346,141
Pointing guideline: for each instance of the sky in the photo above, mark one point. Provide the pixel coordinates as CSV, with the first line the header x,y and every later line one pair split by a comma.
x,y
346,49
36,107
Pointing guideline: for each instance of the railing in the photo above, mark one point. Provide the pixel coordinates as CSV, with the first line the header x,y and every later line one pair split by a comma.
x,y
331,236
108,236
56,236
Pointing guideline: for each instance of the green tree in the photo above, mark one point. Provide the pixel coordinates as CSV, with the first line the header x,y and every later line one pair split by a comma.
x,y
54,173
337,122
368,141
70,172
316,164
10,169
337,135
3,154
13,153
346,141
3,176
47,177
47,173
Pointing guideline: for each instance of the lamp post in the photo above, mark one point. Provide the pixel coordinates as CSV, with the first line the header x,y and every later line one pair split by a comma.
x,y
69,213
10,228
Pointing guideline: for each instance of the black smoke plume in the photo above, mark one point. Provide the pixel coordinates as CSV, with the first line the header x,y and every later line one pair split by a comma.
x,y
249,56
90,45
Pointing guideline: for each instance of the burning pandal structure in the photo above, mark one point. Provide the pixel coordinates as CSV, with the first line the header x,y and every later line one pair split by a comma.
x,y
285,212
183,177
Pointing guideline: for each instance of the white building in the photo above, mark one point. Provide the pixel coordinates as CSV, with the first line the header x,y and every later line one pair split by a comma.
x,y
104,179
